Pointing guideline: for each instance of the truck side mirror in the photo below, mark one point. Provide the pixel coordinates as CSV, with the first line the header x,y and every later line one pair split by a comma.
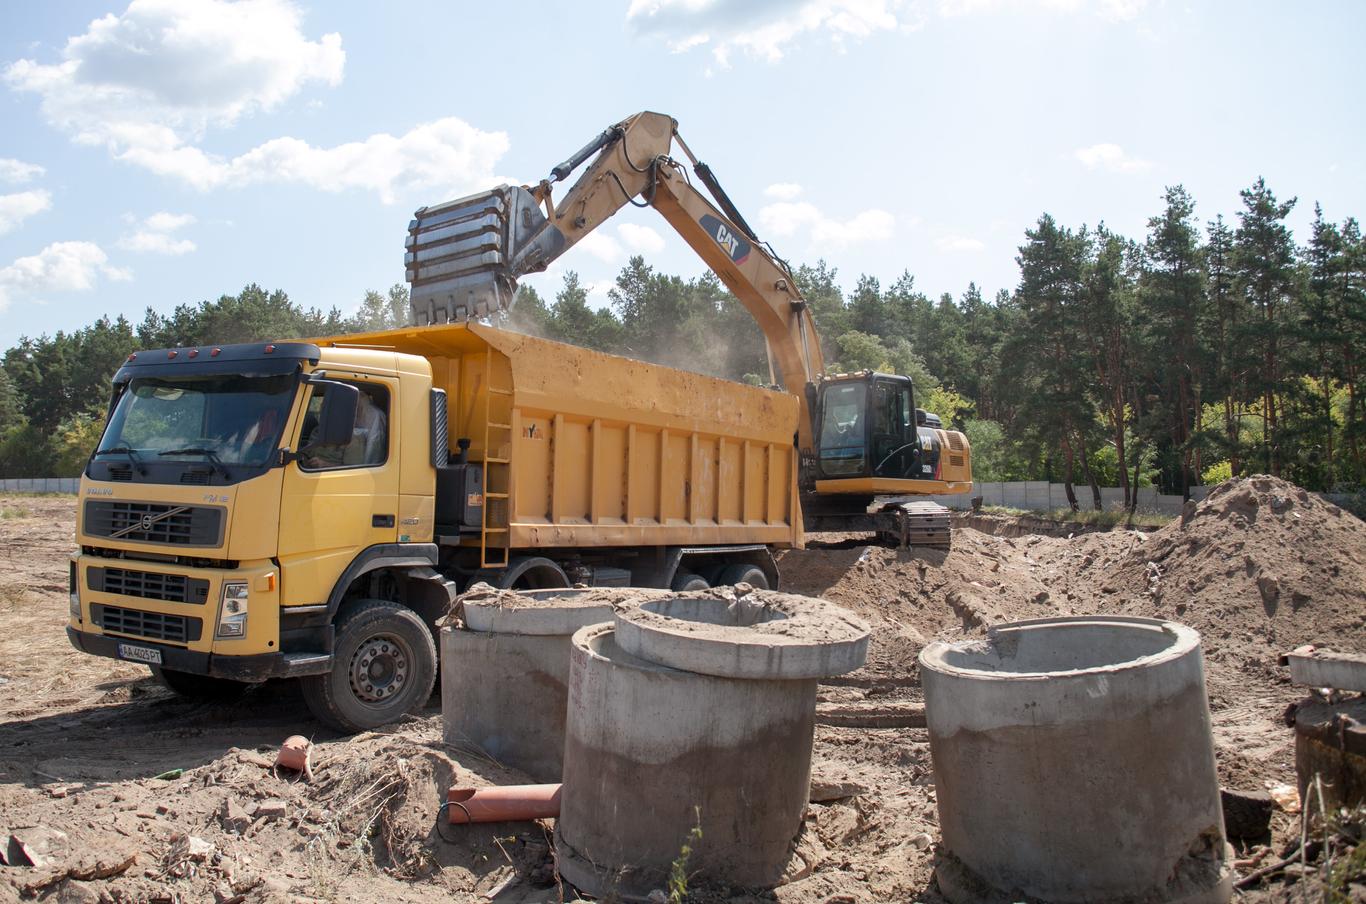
x,y
337,418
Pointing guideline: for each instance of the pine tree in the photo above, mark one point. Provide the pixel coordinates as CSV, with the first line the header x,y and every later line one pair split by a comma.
x,y
1051,267
1173,296
1264,263
1226,309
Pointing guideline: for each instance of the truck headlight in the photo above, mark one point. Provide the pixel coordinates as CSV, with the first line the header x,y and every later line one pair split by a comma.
x,y
232,613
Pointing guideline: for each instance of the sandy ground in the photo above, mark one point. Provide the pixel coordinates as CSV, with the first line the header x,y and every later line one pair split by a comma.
x,y
1257,569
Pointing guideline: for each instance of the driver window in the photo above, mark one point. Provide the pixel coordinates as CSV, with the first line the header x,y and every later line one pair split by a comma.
x,y
369,445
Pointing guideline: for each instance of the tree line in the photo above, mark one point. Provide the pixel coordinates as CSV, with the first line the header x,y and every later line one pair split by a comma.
x,y
1196,352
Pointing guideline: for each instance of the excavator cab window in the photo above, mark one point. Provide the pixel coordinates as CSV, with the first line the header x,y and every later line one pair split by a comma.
x,y
843,435
894,441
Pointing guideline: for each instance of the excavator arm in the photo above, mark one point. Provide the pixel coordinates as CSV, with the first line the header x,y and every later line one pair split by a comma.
x,y
464,257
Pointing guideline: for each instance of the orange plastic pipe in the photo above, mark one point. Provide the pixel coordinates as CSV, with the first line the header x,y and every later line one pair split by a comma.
x,y
295,753
503,804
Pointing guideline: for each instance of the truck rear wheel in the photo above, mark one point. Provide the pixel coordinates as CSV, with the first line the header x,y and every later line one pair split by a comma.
x,y
685,581
199,687
384,665
752,575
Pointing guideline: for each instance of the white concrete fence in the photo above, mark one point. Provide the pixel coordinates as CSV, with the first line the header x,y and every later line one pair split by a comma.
x,y
1042,496
1030,495
40,485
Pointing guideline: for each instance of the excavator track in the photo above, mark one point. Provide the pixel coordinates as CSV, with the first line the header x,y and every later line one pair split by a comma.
x,y
923,524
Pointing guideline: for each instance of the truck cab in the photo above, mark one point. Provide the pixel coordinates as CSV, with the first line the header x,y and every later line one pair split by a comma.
x,y
245,505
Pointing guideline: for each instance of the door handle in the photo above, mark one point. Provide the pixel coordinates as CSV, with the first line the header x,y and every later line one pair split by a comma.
x,y
382,521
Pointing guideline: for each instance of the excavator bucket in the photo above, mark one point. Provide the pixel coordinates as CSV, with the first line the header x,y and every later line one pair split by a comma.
x,y
464,257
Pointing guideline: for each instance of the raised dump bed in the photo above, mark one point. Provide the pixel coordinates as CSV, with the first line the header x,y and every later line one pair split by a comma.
x,y
1073,762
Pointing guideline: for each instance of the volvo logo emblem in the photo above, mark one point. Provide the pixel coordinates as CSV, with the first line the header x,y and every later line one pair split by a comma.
x,y
144,524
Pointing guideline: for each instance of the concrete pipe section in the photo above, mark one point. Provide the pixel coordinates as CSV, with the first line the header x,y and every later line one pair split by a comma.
x,y
760,634
653,753
505,673
1073,762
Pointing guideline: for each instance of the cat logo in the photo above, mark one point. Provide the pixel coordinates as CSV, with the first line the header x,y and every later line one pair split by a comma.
x,y
724,234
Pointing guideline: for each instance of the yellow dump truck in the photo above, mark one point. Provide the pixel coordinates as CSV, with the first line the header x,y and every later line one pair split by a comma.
x,y
309,508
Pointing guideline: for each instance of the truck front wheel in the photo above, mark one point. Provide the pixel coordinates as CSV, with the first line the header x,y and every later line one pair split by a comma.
x,y
384,665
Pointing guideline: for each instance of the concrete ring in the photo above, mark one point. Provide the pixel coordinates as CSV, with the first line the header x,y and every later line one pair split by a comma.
x,y
759,634
545,612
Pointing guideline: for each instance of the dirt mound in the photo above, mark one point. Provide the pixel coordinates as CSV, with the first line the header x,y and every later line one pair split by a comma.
x,y
236,828
1259,566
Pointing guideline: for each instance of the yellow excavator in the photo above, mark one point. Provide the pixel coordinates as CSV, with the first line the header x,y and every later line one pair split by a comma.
x,y
868,455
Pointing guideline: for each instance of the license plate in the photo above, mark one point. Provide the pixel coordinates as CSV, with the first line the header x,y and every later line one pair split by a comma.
x,y
139,654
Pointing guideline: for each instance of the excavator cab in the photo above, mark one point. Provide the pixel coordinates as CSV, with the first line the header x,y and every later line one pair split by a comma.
x,y
871,429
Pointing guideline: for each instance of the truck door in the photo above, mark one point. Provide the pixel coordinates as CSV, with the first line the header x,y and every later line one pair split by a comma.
x,y
337,501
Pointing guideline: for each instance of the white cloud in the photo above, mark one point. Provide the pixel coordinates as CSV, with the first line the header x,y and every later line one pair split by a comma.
x,y
758,29
641,239
766,28
60,267
18,207
953,244
1122,10
602,246
788,218
17,172
149,84
791,218
1114,10
179,63
154,235
448,154
599,292
1110,157
783,191
868,226
169,222
156,243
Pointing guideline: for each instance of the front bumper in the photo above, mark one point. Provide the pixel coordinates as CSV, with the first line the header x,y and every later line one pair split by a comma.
x,y
254,668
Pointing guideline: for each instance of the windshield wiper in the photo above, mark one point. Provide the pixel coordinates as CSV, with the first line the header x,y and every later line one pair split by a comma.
x,y
211,455
124,450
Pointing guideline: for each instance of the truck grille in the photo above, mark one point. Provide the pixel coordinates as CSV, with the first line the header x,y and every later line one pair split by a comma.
x,y
173,588
151,625
152,522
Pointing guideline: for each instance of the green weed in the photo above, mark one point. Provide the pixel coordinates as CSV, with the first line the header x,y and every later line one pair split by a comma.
x,y
678,870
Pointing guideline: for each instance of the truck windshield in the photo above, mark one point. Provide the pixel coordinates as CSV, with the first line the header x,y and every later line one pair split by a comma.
x,y
842,429
234,419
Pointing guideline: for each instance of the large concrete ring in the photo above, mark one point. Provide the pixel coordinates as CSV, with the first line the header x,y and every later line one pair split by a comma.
x,y
759,635
561,611
1074,762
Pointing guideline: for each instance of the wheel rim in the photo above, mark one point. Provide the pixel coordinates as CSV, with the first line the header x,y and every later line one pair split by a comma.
x,y
380,669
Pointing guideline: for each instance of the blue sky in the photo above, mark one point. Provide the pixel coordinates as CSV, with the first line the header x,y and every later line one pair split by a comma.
x,y
174,150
